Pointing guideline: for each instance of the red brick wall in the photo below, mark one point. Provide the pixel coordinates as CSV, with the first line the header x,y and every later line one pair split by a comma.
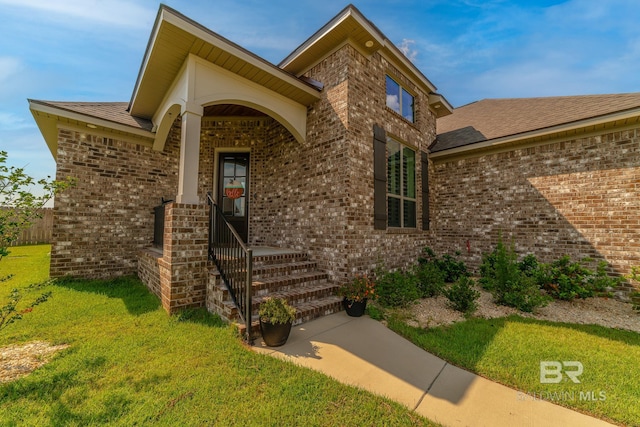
x,y
364,247
102,222
578,197
183,266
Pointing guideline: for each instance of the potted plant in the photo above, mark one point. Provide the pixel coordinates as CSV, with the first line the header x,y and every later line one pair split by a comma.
x,y
276,317
355,294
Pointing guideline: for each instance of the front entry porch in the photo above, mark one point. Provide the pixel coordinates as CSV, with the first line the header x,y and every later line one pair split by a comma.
x,y
183,275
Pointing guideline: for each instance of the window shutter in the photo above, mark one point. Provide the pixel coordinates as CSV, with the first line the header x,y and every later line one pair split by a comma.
x,y
380,178
425,189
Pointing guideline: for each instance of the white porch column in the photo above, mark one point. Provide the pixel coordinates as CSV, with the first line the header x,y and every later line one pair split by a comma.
x,y
189,155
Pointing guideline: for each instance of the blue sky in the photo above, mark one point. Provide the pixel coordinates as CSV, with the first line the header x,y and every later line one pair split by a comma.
x,y
90,50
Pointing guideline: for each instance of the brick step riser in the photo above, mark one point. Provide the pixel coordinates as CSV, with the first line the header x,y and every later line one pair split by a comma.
x,y
302,317
285,284
296,299
293,299
266,261
264,273
264,288
282,270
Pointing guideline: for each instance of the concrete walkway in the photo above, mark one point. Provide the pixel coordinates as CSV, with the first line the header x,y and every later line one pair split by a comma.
x,y
362,352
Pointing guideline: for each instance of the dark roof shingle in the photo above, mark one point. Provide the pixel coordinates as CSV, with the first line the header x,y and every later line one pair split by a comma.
x,y
115,112
496,118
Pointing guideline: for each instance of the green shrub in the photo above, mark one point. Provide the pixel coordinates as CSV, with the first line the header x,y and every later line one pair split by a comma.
x,y
566,279
462,295
449,265
635,300
600,282
429,279
487,270
277,311
512,283
523,295
396,288
634,276
529,265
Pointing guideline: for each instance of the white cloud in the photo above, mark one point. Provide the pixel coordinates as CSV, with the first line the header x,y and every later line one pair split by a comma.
x,y
406,47
11,121
120,13
9,67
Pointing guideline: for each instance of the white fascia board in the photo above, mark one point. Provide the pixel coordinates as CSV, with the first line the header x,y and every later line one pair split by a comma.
x,y
147,54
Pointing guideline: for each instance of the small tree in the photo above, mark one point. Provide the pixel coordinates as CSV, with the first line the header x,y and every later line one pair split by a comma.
x,y
18,209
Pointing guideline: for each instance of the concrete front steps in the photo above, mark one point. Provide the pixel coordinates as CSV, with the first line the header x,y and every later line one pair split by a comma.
x,y
279,273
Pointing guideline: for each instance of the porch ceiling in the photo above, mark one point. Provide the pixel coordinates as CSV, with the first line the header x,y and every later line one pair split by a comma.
x,y
175,36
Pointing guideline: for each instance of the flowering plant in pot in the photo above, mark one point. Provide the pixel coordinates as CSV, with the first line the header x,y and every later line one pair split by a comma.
x,y
276,317
356,293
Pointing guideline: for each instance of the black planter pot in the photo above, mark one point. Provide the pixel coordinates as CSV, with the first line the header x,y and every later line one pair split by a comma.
x,y
354,308
275,334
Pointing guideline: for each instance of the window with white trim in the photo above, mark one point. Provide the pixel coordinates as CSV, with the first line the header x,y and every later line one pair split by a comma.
x,y
401,185
400,100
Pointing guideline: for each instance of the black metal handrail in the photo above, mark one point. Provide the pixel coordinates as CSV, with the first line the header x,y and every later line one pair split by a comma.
x,y
234,261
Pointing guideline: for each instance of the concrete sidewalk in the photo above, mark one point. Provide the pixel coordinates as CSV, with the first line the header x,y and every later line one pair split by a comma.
x,y
364,353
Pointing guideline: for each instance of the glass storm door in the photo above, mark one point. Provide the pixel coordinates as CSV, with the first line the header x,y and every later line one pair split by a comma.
x,y
233,184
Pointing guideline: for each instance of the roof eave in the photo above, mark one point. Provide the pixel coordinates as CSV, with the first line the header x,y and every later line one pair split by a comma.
x,y
145,59
48,118
439,105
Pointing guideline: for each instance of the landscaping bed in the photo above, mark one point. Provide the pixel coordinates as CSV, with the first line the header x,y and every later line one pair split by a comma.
x,y
607,312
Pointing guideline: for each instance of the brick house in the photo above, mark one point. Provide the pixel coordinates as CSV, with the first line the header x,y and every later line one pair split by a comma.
x,y
324,165
297,138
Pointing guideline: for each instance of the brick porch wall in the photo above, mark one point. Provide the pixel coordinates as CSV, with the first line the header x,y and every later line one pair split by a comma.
x,y
183,265
102,222
577,197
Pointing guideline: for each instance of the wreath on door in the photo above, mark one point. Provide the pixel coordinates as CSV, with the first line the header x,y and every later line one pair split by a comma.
x,y
233,189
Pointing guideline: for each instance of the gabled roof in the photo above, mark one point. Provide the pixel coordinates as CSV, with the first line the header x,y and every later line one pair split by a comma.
x,y
492,122
174,37
351,26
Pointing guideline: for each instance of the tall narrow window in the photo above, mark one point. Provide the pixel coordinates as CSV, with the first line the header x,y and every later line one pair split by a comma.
x,y
401,185
399,100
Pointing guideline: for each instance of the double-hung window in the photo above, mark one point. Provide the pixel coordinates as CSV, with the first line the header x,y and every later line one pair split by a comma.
x,y
399,100
401,185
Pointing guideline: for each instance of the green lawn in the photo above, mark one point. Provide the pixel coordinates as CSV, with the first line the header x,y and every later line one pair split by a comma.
x,y
509,350
129,363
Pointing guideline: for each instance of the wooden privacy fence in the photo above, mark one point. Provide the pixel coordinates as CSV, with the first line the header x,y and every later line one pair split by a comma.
x,y
40,231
